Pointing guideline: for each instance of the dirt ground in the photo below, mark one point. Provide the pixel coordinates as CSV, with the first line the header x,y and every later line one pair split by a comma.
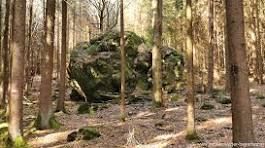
x,y
146,127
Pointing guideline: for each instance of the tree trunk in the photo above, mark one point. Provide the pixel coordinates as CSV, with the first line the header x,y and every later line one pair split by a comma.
x,y
1,50
211,47
101,19
60,103
259,61
6,53
227,61
45,102
17,79
191,133
241,105
74,24
28,64
123,62
156,51
57,51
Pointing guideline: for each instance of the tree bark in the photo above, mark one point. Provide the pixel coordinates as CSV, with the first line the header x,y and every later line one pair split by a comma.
x,y
1,50
74,24
190,77
211,47
6,53
28,64
45,102
259,60
123,62
156,51
241,106
60,103
17,79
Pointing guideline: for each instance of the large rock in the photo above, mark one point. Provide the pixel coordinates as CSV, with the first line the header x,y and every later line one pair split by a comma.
x,y
95,66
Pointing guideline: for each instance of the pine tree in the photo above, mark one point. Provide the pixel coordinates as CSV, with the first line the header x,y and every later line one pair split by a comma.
x,y
60,103
191,133
157,6
123,62
45,103
241,106
211,47
17,76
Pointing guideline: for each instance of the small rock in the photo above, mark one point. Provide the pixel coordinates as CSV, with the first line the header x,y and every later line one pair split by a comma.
x,y
72,136
207,106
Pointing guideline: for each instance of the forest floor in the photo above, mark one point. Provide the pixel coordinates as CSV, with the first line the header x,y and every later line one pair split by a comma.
x,y
145,126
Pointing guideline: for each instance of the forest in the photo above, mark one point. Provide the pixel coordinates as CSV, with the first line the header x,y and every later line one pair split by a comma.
x,y
132,73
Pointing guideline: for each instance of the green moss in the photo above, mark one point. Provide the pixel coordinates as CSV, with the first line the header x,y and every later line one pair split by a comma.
x,y
217,92
37,122
207,106
54,124
89,133
143,84
123,117
3,135
175,97
192,136
20,143
87,108
157,104
2,115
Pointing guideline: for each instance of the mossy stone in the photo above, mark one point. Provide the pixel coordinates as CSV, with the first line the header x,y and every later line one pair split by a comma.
x,y
89,133
95,66
87,108
224,100
207,106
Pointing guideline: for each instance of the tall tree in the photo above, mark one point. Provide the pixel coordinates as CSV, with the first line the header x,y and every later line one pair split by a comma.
x,y
60,103
6,52
100,6
1,51
191,133
28,64
74,23
17,76
241,106
45,102
259,60
123,62
157,6
227,61
211,46
227,56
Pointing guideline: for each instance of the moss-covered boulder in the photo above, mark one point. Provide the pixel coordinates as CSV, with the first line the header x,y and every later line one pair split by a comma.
x,y
85,133
95,66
